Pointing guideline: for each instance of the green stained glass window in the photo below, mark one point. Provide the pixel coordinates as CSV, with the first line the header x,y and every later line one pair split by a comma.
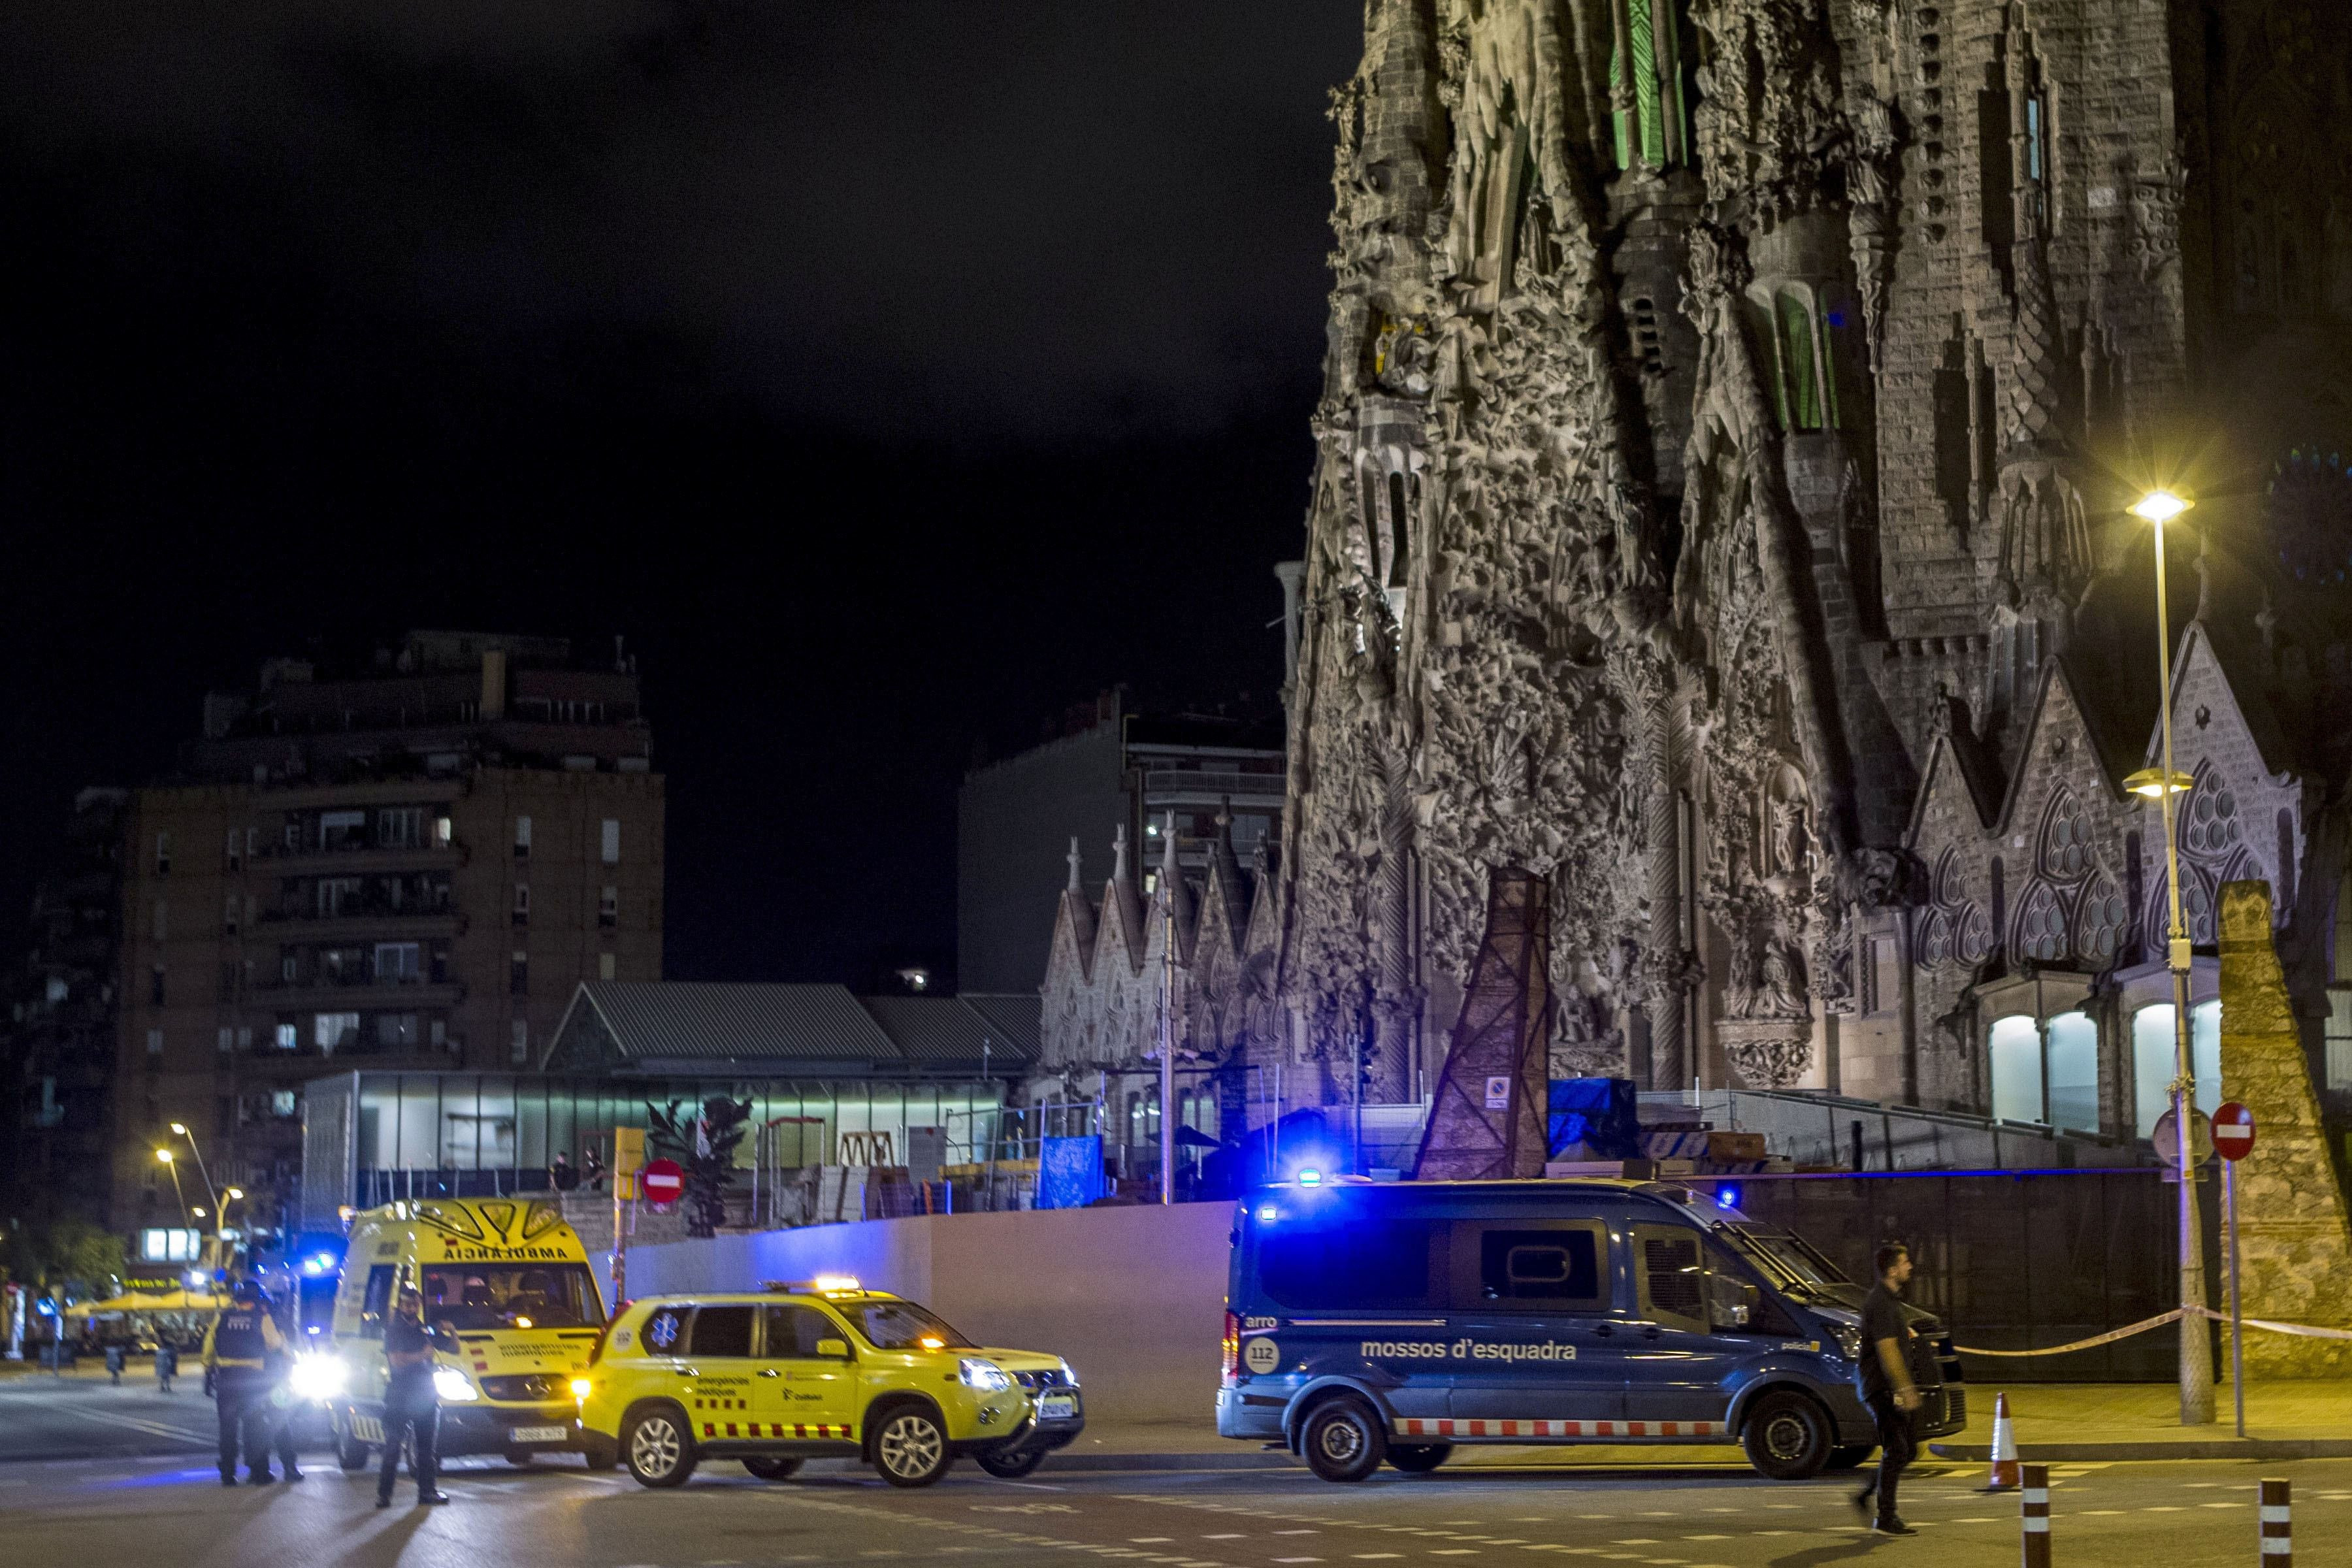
x,y
1803,397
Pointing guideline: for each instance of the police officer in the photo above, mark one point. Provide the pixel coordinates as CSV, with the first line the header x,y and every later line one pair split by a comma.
x,y
237,1349
410,1401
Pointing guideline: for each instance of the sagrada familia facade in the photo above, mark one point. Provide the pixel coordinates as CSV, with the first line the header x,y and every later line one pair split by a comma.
x,y
1729,417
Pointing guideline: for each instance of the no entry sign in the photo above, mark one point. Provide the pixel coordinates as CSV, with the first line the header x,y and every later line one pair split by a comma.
x,y
2234,1130
665,1183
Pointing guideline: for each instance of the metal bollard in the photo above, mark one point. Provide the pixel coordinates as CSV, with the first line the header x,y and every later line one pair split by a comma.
x,y
2278,1534
2033,1515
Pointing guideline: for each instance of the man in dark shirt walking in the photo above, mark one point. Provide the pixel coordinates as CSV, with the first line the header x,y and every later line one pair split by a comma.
x,y
1885,1374
410,1400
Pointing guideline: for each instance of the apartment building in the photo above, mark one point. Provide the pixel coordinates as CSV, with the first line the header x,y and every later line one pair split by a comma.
x,y
407,866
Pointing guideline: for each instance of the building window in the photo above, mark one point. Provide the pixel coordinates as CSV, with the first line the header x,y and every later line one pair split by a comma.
x,y
520,1050
608,908
2074,1063
443,832
400,827
343,830
331,1032
155,987
1803,401
284,1103
173,1245
440,970
519,975
338,895
522,839
235,850
2040,925
162,854
395,1031
227,1039
604,966
2037,141
2016,1050
399,962
2155,1056
154,1042
2339,1038
611,841
289,1038
439,1032
1653,127
228,915
228,982
522,903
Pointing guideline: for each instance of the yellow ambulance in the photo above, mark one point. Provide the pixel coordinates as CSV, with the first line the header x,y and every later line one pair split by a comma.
x,y
508,1282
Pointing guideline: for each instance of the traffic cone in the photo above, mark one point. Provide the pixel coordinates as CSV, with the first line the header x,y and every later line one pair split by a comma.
x,y
2005,1477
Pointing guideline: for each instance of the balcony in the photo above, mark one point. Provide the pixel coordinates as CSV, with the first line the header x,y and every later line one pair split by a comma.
x,y
357,859
371,924
317,995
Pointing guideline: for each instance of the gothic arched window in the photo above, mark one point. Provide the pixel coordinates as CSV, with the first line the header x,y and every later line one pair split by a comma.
x,y
1935,937
2196,906
2040,925
2100,917
1975,943
2209,824
1801,382
2065,840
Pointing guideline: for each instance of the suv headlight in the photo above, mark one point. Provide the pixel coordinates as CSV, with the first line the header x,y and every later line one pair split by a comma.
x,y
451,1385
316,1377
1849,1342
1068,1375
985,1375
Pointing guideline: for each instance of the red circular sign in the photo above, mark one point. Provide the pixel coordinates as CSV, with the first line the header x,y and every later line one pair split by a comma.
x,y
2234,1130
663,1182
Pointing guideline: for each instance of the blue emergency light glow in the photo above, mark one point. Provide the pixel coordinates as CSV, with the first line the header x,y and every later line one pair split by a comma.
x,y
1727,1198
320,1263
1310,1178
1268,1215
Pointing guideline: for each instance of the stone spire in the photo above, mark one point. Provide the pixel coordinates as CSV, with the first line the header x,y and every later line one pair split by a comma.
x,y
1224,869
1175,892
2037,352
1120,897
1081,909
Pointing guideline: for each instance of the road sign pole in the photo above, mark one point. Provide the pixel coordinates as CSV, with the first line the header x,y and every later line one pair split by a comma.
x,y
2237,1321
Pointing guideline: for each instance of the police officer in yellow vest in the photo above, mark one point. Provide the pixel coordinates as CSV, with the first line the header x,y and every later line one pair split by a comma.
x,y
239,1348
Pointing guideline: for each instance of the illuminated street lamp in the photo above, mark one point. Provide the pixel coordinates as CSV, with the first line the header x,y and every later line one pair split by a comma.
x,y
174,1166
2161,784
181,1130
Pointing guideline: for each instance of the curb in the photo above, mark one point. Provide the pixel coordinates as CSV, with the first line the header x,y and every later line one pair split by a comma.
x,y
2207,1448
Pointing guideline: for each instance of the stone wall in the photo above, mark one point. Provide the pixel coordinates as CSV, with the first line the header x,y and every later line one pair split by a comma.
x,y
2294,1240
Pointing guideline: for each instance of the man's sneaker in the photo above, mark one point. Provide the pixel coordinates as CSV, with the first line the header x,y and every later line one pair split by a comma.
x,y
1891,1526
382,1501
228,1481
259,1478
426,1499
292,1474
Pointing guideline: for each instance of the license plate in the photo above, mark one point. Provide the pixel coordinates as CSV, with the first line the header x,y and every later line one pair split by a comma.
x,y
538,1433
1056,1407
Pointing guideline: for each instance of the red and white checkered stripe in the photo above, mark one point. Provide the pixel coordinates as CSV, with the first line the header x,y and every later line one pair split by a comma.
x,y
773,1429
1416,1427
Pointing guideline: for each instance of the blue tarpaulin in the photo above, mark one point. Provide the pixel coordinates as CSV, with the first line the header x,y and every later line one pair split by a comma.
x,y
1594,1119
1070,1173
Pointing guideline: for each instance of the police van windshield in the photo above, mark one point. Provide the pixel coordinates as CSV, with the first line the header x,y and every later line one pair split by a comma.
x,y
903,1326
536,1296
1787,1260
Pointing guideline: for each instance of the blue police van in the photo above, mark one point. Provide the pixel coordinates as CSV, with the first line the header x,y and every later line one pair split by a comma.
x,y
1390,1322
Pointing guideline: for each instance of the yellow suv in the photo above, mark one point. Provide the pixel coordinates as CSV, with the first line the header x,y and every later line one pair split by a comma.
x,y
821,1370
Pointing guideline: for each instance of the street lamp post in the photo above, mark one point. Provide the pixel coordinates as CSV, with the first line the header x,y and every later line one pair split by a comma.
x,y
2160,507
181,1130
177,1191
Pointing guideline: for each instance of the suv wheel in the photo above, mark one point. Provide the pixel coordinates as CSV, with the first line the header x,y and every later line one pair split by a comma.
x,y
1012,1462
1343,1441
351,1453
658,1449
912,1448
1787,1437
1418,1458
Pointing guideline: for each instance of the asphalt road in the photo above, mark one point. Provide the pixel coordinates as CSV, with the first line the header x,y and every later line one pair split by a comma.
x,y
175,1510
83,1416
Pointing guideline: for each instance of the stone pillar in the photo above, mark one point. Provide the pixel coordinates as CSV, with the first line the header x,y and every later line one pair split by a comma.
x,y
2294,1243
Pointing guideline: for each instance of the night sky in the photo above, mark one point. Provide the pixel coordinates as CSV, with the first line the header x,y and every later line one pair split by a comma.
x,y
891,374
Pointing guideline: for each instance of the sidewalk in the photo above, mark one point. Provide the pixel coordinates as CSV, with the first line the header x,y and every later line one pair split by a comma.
x,y
2106,1421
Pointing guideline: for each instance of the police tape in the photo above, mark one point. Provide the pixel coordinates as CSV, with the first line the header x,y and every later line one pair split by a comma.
x,y
2306,1330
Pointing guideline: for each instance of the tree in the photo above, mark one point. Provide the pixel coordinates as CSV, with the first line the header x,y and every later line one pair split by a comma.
x,y
705,1145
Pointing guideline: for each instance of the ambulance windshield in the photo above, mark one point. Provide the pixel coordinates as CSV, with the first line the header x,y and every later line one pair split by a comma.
x,y
534,1296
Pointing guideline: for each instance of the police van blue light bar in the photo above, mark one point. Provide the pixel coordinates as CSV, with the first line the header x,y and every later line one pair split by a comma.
x,y
1310,1178
1727,1198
